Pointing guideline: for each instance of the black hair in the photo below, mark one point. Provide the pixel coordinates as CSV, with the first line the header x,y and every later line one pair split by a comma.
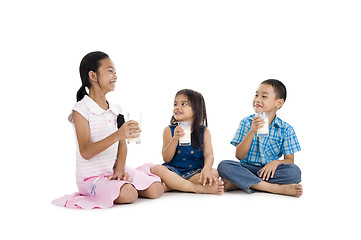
x,y
90,62
279,88
196,101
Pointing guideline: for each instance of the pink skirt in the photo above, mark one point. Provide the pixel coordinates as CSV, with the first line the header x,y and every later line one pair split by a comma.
x,y
100,192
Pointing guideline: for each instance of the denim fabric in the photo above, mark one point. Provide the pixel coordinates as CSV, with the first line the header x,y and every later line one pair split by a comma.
x,y
187,160
245,175
184,173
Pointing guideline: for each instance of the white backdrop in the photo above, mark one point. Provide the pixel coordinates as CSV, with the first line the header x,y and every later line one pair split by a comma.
x,y
222,49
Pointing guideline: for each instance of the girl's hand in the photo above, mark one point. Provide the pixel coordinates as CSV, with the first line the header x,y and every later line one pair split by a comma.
x,y
178,132
129,129
257,123
119,176
269,170
206,176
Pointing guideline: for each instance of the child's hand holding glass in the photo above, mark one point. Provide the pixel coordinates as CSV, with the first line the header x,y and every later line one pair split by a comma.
x,y
178,132
129,129
257,123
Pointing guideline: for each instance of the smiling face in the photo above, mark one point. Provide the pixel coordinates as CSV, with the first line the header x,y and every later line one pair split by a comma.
x,y
182,110
265,100
105,77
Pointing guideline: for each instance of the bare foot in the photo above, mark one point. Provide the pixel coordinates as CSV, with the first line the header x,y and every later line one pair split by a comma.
x,y
166,188
294,190
216,188
228,185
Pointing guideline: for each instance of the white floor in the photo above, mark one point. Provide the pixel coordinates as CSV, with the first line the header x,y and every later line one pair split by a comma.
x,y
234,215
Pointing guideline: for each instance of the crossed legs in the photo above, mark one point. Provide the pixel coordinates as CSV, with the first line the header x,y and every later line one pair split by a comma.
x,y
175,182
237,175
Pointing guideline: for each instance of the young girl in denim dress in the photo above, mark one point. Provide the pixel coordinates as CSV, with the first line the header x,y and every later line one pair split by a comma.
x,y
188,168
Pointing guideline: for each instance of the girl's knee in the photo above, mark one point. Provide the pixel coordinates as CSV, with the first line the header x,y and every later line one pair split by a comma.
x,y
156,168
127,194
155,190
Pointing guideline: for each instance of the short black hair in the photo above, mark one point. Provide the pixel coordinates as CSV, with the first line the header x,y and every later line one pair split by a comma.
x,y
279,88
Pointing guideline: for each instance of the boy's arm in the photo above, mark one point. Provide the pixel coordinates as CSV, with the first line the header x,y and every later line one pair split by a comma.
x,y
243,147
290,158
290,146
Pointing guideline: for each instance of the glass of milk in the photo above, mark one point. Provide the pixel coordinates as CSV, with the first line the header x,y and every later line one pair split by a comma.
x,y
263,132
186,139
136,116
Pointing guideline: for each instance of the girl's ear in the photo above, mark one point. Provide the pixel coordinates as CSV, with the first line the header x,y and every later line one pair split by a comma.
x,y
92,76
280,103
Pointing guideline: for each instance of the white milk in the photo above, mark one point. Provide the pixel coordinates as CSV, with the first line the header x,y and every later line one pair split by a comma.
x,y
136,116
136,140
186,139
264,131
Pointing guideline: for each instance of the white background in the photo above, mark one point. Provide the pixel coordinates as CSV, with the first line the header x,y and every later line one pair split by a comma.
x,y
222,49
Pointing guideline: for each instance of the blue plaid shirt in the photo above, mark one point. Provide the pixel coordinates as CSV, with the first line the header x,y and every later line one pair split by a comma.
x,y
282,140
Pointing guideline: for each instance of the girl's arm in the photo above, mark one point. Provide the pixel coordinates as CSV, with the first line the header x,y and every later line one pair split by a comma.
x,y
206,174
170,143
119,173
90,149
121,157
208,150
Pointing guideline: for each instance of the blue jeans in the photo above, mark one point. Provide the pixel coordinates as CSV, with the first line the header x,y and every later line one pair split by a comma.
x,y
245,175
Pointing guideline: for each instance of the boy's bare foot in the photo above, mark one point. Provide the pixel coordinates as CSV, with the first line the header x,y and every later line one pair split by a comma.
x,y
216,188
294,190
228,185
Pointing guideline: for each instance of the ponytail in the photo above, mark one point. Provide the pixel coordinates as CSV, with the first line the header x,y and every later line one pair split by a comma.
x,y
90,62
81,93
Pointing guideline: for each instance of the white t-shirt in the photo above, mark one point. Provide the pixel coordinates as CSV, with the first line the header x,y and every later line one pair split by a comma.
x,y
102,123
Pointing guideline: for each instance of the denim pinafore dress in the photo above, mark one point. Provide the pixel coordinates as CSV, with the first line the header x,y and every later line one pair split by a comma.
x,y
187,161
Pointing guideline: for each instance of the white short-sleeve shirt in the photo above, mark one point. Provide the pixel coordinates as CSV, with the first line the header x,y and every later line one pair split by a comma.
x,y
102,123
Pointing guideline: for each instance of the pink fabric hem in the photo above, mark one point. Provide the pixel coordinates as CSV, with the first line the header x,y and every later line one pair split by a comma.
x,y
106,191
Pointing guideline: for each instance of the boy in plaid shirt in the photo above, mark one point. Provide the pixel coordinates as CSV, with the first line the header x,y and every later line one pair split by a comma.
x,y
259,167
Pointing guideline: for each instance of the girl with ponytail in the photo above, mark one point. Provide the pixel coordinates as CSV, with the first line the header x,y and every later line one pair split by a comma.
x,y
101,175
